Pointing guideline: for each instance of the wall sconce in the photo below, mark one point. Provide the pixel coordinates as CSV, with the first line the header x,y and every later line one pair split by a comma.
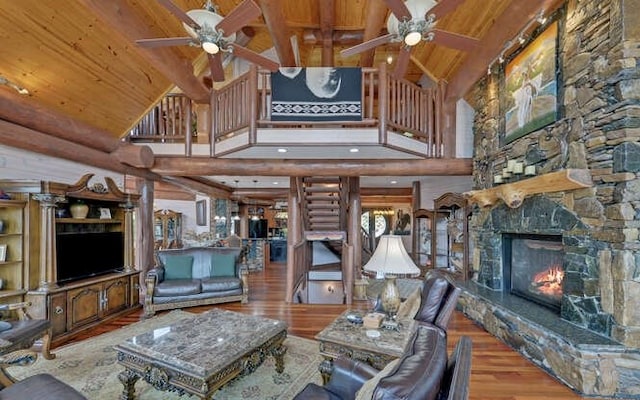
x,y
14,86
330,289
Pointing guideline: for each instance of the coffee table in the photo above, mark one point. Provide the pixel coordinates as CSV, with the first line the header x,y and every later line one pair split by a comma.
x,y
344,338
201,353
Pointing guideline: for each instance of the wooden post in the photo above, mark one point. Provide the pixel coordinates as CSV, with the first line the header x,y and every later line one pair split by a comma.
x,y
253,104
294,235
48,274
383,103
145,223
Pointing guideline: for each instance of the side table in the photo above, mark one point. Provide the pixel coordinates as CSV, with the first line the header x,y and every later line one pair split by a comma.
x,y
343,338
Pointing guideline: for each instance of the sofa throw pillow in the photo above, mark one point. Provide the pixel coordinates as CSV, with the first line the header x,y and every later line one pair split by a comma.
x,y
178,267
367,389
409,307
223,265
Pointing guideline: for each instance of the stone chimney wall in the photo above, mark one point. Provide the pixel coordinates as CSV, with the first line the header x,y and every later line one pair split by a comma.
x,y
598,128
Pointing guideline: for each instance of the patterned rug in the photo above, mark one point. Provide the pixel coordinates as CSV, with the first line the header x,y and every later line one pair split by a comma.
x,y
91,367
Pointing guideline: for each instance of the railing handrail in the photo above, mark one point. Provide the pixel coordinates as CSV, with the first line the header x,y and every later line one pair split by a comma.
x,y
395,106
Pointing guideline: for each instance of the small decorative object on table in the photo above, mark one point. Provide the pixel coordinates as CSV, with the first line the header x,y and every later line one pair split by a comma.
x,y
373,320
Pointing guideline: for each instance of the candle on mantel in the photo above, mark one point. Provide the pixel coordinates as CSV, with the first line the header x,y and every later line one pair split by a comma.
x,y
518,168
506,173
511,165
497,179
530,170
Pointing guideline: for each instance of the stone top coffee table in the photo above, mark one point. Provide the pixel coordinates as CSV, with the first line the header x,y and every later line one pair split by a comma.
x,y
201,353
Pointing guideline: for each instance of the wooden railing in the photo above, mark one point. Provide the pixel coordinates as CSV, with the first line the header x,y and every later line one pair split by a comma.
x,y
395,107
301,264
170,121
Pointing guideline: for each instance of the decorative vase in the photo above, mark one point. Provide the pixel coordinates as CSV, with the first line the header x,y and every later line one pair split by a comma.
x,y
390,296
79,210
1,226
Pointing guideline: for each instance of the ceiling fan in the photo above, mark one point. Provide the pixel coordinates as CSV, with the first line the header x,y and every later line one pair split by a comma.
x,y
411,22
214,33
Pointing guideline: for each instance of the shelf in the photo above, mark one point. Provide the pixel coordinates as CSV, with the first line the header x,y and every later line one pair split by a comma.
x,y
87,221
12,203
7,235
9,262
513,194
11,293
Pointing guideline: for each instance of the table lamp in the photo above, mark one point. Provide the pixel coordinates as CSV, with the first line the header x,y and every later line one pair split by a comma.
x,y
389,261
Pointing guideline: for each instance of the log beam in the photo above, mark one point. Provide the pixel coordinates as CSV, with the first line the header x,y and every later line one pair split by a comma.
x,y
200,187
136,156
196,166
513,194
279,29
25,111
30,140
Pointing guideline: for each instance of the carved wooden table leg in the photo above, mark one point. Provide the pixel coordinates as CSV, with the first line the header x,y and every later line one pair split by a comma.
x,y
46,343
128,379
326,368
278,353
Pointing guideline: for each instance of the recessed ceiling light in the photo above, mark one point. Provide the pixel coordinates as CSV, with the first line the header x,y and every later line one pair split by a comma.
x,y
394,182
354,150
276,183
281,150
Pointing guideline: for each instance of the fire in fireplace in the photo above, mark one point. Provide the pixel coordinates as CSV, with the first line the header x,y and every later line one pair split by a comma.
x,y
533,267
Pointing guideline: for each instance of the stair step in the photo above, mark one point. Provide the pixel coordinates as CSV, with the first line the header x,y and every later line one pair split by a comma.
x,y
323,206
321,189
324,213
316,197
321,179
323,226
325,235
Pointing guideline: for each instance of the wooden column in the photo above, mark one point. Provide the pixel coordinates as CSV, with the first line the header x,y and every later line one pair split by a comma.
x,y
294,235
129,256
48,274
355,210
144,231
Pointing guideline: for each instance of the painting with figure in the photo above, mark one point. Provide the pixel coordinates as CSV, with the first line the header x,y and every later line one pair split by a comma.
x,y
530,100
316,94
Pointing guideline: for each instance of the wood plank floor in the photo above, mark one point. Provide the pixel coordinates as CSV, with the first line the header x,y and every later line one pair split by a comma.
x,y
498,373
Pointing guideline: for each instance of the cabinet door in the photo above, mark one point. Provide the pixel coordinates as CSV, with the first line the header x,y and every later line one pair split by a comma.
x,y
83,305
116,296
135,290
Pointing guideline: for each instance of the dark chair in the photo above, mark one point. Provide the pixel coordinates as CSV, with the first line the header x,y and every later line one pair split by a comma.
x,y
40,387
422,373
21,334
439,300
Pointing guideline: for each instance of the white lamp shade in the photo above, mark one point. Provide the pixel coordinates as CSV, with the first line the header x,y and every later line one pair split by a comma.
x,y
417,8
391,257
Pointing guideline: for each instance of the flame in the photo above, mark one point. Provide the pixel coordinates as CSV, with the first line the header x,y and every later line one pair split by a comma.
x,y
549,282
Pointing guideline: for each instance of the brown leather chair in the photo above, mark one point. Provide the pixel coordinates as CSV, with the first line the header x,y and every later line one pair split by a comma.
x,y
439,300
40,387
422,373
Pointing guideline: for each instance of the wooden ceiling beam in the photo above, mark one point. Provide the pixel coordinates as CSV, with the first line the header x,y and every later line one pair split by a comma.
x,y
196,166
505,28
30,140
198,186
376,15
121,16
24,111
279,29
327,22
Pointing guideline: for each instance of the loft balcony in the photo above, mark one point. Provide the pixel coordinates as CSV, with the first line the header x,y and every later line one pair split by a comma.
x,y
400,120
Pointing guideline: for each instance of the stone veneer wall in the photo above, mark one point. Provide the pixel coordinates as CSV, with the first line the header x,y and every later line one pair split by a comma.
x,y
599,129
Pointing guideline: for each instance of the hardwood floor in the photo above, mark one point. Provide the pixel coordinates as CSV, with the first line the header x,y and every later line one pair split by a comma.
x,y
498,373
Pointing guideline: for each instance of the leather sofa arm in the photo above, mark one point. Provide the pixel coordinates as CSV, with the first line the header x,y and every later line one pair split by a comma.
x,y
348,376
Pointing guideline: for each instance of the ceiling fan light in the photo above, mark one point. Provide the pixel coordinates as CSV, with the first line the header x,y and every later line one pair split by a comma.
x,y
210,47
412,38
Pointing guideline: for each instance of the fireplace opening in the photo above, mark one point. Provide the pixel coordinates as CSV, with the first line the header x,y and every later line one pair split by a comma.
x,y
533,267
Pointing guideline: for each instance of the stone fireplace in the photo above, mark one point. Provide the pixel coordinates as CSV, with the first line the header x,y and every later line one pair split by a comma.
x,y
587,332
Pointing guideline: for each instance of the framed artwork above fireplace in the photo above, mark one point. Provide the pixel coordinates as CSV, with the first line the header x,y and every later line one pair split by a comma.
x,y
529,98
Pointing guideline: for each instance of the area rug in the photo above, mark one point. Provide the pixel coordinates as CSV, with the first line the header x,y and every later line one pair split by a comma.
x,y
91,367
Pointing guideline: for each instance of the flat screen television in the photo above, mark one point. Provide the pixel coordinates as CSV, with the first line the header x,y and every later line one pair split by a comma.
x,y
83,255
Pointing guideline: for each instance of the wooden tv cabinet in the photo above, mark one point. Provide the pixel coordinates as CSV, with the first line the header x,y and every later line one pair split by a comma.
x,y
85,303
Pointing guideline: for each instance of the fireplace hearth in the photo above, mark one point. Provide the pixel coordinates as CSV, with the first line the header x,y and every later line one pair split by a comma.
x,y
533,268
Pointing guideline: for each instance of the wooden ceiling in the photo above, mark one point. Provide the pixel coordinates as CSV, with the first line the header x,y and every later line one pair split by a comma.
x,y
78,58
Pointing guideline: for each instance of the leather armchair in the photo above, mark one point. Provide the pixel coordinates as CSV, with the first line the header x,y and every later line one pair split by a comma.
x,y
422,373
439,300
40,387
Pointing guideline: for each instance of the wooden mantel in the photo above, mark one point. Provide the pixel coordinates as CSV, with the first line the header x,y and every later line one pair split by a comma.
x,y
513,194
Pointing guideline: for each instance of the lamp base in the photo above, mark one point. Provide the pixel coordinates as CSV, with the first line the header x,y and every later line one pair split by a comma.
x,y
390,296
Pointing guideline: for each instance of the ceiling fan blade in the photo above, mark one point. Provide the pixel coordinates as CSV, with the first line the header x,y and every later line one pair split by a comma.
x,y
444,7
399,9
368,45
162,42
254,57
453,40
181,15
404,56
215,64
244,13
